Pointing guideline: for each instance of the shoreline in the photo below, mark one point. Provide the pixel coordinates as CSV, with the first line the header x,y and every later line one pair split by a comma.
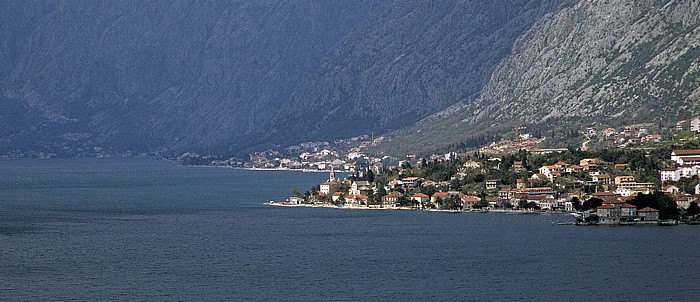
x,y
348,207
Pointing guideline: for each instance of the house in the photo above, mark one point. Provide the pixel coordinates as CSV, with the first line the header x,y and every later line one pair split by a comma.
x,y
391,199
492,201
603,195
548,170
468,202
360,187
671,174
631,189
393,184
573,169
470,164
548,202
590,167
328,187
615,210
677,155
682,125
539,177
602,178
438,197
688,160
518,167
624,179
682,200
420,198
355,199
588,161
337,196
695,124
411,181
688,171
671,189
648,214
491,184
505,195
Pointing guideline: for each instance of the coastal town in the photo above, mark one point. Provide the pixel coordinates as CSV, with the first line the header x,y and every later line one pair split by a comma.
x,y
616,186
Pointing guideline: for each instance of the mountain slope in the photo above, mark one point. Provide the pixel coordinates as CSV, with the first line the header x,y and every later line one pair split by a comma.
x,y
410,60
608,61
157,74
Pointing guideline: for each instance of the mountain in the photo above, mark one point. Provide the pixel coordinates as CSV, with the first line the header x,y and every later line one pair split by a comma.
x,y
611,62
157,75
174,76
407,62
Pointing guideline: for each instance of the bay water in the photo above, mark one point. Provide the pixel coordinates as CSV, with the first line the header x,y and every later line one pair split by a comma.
x,y
151,230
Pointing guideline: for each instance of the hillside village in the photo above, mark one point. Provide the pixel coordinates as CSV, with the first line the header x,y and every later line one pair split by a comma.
x,y
638,177
610,192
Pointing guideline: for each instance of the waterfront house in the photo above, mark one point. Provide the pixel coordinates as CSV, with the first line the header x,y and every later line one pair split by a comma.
x,y
328,187
356,199
468,202
391,199
682,200
505,195
420,198
337,196
492,201
438,197
648,214
615,210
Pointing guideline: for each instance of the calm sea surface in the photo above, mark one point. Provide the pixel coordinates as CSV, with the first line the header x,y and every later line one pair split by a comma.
x,y
150,230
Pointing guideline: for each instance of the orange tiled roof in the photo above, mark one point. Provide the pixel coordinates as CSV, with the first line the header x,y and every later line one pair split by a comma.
x,y
687,152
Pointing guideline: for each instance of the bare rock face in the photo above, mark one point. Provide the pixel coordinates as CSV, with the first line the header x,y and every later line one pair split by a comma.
x,y
600,59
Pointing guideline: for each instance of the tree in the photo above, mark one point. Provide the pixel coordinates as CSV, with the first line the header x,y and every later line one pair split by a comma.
x,y
693,209
380,193
428,190
576,203
668,209
296,192
370,175
592,203
532,205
